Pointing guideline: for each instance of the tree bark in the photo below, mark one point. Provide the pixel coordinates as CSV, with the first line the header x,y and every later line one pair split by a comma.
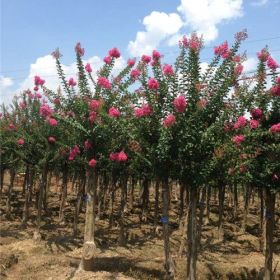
x,y
208,204
269,228
192,235
63,194
89,247
169,265
122,239
246,205
9,194
221,211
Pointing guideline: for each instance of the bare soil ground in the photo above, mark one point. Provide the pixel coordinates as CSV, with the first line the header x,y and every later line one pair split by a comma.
x,y
57,255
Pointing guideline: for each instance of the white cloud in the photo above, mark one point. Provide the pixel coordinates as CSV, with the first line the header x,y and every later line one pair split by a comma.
x,y
6,93
259,3
203,16
5,82
158,26
250,64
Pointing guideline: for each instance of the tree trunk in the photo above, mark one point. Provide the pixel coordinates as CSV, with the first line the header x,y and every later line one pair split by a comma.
x,y
221,211
112,200
169,265
192,235
235,201
182,200
2,170
200,221
9,194
131,193
63,194
43,181
156,217
89,248
246,205
145,199
208,204
122,239
269,227
29,179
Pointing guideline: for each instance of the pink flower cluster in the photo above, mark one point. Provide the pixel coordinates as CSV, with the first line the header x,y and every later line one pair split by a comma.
x,y
120,157
146,59
114,112
92,163
114,53
72,82
92,116
144,110
180,104
103,82
107,59
156,55
88,68
51,139
73,153
153,84
254,124
271,63
238,139
169,120
79,50
38,81
134,74
87,145
168,70
275,128
20,141
94,105
275,90
131,62
256,113
241,122
194,43
238,69
45,111
222,50
263,55
52,121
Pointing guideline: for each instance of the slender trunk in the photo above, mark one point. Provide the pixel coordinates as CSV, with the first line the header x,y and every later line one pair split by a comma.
x,y
182,204
63,194
43,181
269,228
145,199
260,190
122,239
208,204
235,201
89,248
2,170
200,221
9,194
24,180
246,204
192,235
221,211
169,265
131,193
25,214
156,218
112,200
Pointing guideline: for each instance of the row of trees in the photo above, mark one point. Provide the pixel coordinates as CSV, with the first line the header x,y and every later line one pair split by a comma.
x,y
151,123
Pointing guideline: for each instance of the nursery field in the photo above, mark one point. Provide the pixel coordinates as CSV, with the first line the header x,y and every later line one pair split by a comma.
x,y
57,255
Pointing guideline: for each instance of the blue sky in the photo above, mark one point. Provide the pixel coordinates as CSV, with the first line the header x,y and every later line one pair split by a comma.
x,y
31,29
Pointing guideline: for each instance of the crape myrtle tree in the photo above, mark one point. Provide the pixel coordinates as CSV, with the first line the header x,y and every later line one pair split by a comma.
x,y
256,143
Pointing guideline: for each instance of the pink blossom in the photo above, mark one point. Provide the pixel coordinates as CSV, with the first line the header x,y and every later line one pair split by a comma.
x,y
74,152
169,121
153,84
36,88
144,110
20,141
52,122
38,95
134,74
11,126
22,105
278,80
56,53
114,112
145,58
87,145
51,139
238,69
275,90
271,63
228,126
94,104
38,81
236,58
122,156
114,53
79,50
275,128
131,62
180,104
103,82
263,55
168,70
184,42
256,113
45,110
254,124
92,163
195,43
92,116
238,139
56,101
72,82
241,122
156,55
243,169
107,59
88,68
222,49
113,156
